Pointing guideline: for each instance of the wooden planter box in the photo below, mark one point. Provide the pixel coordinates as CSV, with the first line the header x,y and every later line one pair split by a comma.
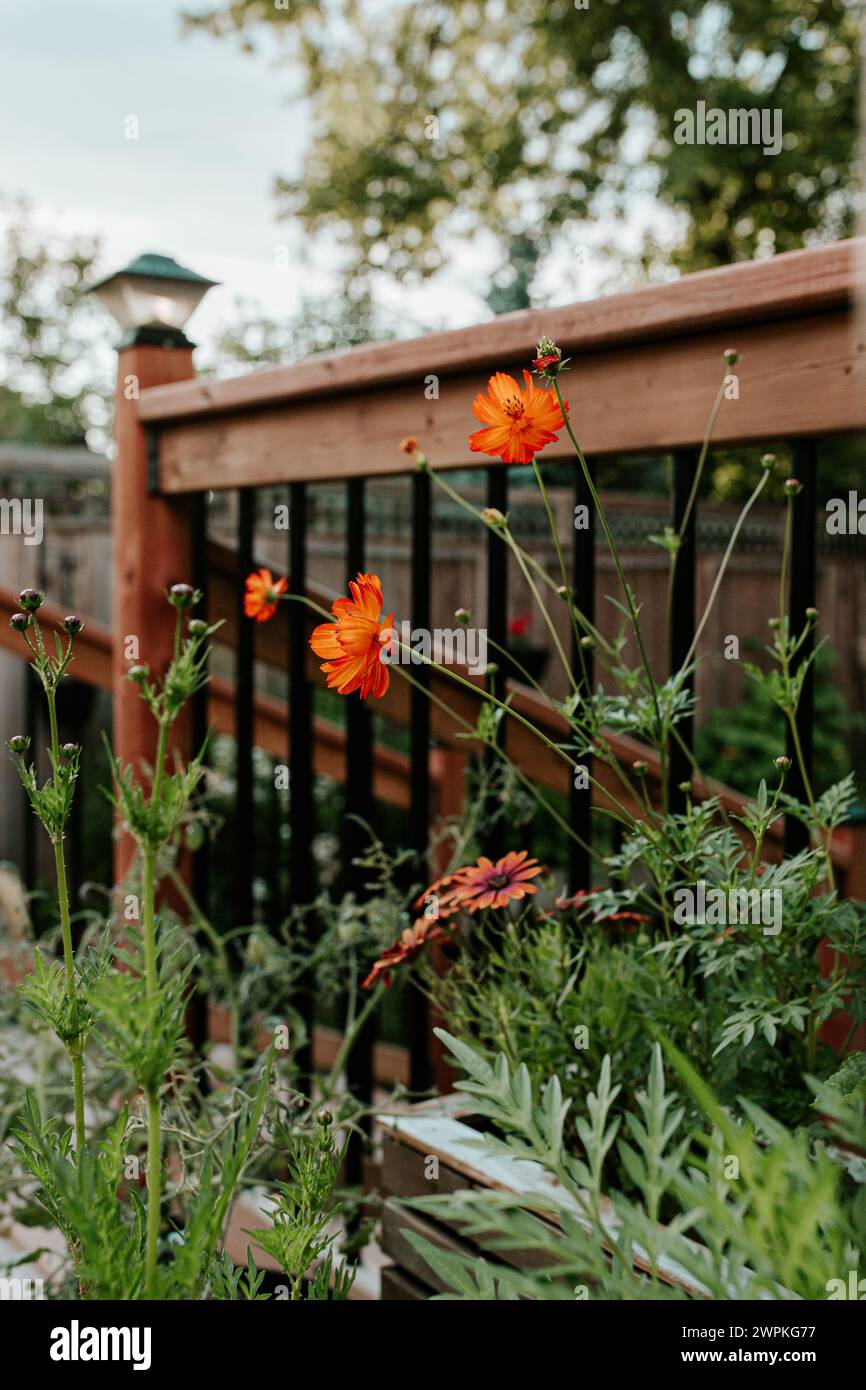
x,y
438,1130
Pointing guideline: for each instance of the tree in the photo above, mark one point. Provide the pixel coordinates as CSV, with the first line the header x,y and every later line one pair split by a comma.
x,y
317,325
529,117
55,370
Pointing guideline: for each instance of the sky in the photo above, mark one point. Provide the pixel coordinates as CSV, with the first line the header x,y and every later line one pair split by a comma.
x,y
215,127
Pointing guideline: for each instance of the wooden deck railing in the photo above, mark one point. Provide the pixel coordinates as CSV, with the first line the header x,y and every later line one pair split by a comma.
x,y
645,367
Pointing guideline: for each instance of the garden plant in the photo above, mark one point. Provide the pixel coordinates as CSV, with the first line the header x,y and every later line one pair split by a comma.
x,y
690,934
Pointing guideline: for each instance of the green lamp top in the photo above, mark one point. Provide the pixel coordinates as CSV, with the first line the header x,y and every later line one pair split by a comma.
x,y
153,266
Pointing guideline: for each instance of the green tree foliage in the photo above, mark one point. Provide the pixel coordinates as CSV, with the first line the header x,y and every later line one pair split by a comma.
x,y
525,117
53,388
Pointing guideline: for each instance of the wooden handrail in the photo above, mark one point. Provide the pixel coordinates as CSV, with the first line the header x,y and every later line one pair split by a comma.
x,y
796,283
646,367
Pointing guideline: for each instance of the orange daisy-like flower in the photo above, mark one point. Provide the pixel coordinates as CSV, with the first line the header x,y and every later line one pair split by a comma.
x,y
519,423
352,646
407,946
486,884
262,595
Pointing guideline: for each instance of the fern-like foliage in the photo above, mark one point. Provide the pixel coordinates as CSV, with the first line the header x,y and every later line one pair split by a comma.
x,y
743,1208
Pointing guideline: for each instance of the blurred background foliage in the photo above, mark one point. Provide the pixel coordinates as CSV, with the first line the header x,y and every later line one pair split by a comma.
x,y
526,118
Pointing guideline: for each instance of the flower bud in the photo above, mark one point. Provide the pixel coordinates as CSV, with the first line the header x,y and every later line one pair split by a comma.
x,y
138,674
72,624
561,591
782,763
31,599
774,623
684,786
197,627
793,486
811,613
19,622
588,642
19,743
181,595
493,516
492,669
640,767
463,615
70,749
547,355
731,356
768,460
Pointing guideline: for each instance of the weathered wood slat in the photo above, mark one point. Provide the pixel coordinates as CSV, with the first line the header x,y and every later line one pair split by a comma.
x,y
457,1148
399,1287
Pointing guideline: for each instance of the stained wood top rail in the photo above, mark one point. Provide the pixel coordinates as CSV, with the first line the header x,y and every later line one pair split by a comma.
x,y
646,367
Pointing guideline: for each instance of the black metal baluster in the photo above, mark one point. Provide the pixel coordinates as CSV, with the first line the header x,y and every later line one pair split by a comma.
x,y
200,876
802,593
245,839
497,630
358,803
682,618
583,590
419,753
301,872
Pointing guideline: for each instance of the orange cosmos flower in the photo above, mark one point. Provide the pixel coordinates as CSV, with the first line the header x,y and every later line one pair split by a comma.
x,y
352,646
262,595
519,423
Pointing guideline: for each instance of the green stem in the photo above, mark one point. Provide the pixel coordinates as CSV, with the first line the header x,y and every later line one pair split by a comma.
x,y
629,598
693,494
791,709
572,613
74,1045
151,977
154,1192
349,1038
735,534
566,666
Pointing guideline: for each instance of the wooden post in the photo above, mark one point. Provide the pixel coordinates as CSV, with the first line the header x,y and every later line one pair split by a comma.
x,y
152,539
